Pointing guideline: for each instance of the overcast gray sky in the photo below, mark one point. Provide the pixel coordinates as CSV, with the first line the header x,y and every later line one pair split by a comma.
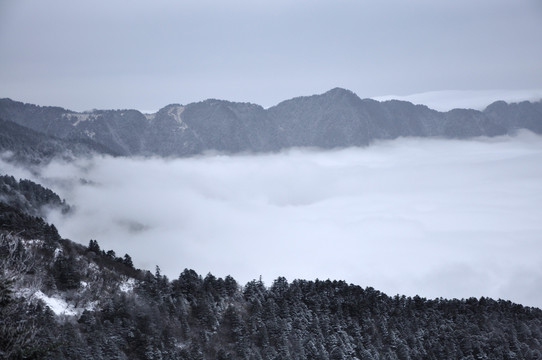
x,y
146,54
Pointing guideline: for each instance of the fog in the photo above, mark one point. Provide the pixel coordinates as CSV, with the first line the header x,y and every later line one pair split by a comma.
x,y
438,218
473,99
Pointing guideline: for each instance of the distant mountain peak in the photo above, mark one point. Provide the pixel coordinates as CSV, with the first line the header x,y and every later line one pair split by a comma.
x,y
339,91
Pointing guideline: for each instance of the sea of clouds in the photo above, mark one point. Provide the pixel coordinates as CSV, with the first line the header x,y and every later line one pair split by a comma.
x,y
462,99
438,218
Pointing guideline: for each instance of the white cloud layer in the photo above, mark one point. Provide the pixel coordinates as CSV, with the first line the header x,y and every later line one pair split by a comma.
x,y
438,218
455,99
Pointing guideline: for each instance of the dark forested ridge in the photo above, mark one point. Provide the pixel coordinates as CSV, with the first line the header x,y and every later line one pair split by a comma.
x,y
62,300
337,118
28,196
25,145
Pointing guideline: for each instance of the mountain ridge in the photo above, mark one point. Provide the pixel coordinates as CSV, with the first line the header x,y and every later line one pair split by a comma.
x,y
335,90
336,118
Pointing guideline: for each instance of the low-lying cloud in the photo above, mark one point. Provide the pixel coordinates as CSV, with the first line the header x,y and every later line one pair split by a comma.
x,y
438,218
473,99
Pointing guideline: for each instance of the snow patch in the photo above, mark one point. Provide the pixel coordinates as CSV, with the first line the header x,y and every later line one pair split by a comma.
x,y
91,306
90,134
127,285
77,118
57,305
175,112
32,243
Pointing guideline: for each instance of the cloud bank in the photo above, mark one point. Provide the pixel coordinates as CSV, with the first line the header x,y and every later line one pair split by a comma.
x,y
438,218
456,99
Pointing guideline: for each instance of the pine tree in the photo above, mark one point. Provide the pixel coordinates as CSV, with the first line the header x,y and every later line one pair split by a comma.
x,y
128,261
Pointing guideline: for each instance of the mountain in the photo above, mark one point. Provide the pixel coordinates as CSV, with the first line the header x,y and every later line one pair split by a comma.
x,y
337,118
29,146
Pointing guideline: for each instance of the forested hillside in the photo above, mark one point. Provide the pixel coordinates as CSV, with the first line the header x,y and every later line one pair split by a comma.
x,y
24,145
62,300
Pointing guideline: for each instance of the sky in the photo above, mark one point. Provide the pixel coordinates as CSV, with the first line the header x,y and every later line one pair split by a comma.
x,y
145,55
428,217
